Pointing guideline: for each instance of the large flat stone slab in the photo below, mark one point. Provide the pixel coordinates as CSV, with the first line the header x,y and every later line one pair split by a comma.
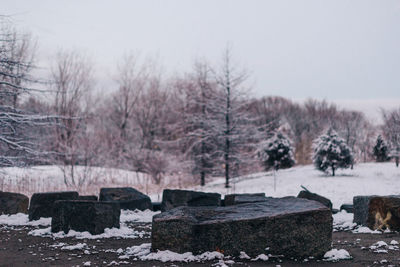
x,y
312,196
236,199
177,198
42,203
290,226
127,197
85,215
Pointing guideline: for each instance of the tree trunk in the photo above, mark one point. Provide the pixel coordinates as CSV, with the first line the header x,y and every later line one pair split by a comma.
x,y
202,178
333,170
227,133
397,161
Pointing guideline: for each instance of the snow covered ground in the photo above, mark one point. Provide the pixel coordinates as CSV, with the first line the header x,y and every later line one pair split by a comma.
x,y
364,179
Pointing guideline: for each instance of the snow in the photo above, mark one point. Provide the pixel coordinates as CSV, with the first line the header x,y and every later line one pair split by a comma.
x,y
343,221
261,257
122,232
137,216
78,246
364,179
142,252
336,255
21,219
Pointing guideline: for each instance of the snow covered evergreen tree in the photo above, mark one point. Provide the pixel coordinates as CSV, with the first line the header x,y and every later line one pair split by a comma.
x,y
331,151
381,150
277,152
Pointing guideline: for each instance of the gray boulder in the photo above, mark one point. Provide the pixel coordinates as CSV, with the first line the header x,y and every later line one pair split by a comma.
x,y
347,207
92,198
127,197
42,203
176,198
13,203
290,226
312,196
81,215
156,206
360,209
235,199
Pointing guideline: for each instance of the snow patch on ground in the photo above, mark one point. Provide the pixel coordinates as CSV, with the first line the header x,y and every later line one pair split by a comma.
x,y
365,179
343,221
336,255
123,232
137,216
383,247
21,219
78,246
143,252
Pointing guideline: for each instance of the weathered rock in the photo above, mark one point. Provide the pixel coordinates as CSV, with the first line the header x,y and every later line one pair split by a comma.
x,y
312,196
360,209
42,203
290,226
235,199
127,197
177,198
13,203
156,206
347,207
92,198
384,213
85,215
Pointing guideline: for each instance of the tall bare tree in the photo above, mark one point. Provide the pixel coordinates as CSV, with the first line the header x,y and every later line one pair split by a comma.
x,y
18,146
72,84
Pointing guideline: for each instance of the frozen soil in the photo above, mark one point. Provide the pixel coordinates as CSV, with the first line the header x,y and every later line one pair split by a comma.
x,y
17,248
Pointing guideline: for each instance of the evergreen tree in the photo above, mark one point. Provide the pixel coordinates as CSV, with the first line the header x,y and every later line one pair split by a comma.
x,y
331,151
381,150
277,152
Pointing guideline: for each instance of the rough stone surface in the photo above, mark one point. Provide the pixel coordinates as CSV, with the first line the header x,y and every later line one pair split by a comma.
x,y
360,207
384,213
176,198
92,198
347,207
156,206
292,227
42,203
312,196
127,197
13,203
235,199
85,215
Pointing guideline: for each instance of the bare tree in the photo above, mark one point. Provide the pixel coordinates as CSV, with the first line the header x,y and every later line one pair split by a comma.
x,y
199,123
18,145
72,78
232,111
391,129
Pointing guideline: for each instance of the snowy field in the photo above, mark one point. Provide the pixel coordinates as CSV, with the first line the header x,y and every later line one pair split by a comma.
x,y
88,180
364,179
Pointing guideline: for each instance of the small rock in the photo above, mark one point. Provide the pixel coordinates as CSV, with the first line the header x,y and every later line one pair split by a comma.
x,y
177,198
13,203
127,197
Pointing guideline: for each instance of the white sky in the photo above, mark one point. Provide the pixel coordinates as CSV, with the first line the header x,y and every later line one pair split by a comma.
x,y
325,49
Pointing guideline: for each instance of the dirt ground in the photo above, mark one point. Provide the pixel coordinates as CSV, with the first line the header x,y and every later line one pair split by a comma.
x,y
17,248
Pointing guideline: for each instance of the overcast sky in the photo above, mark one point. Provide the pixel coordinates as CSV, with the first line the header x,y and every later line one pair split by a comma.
x,y
337,49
